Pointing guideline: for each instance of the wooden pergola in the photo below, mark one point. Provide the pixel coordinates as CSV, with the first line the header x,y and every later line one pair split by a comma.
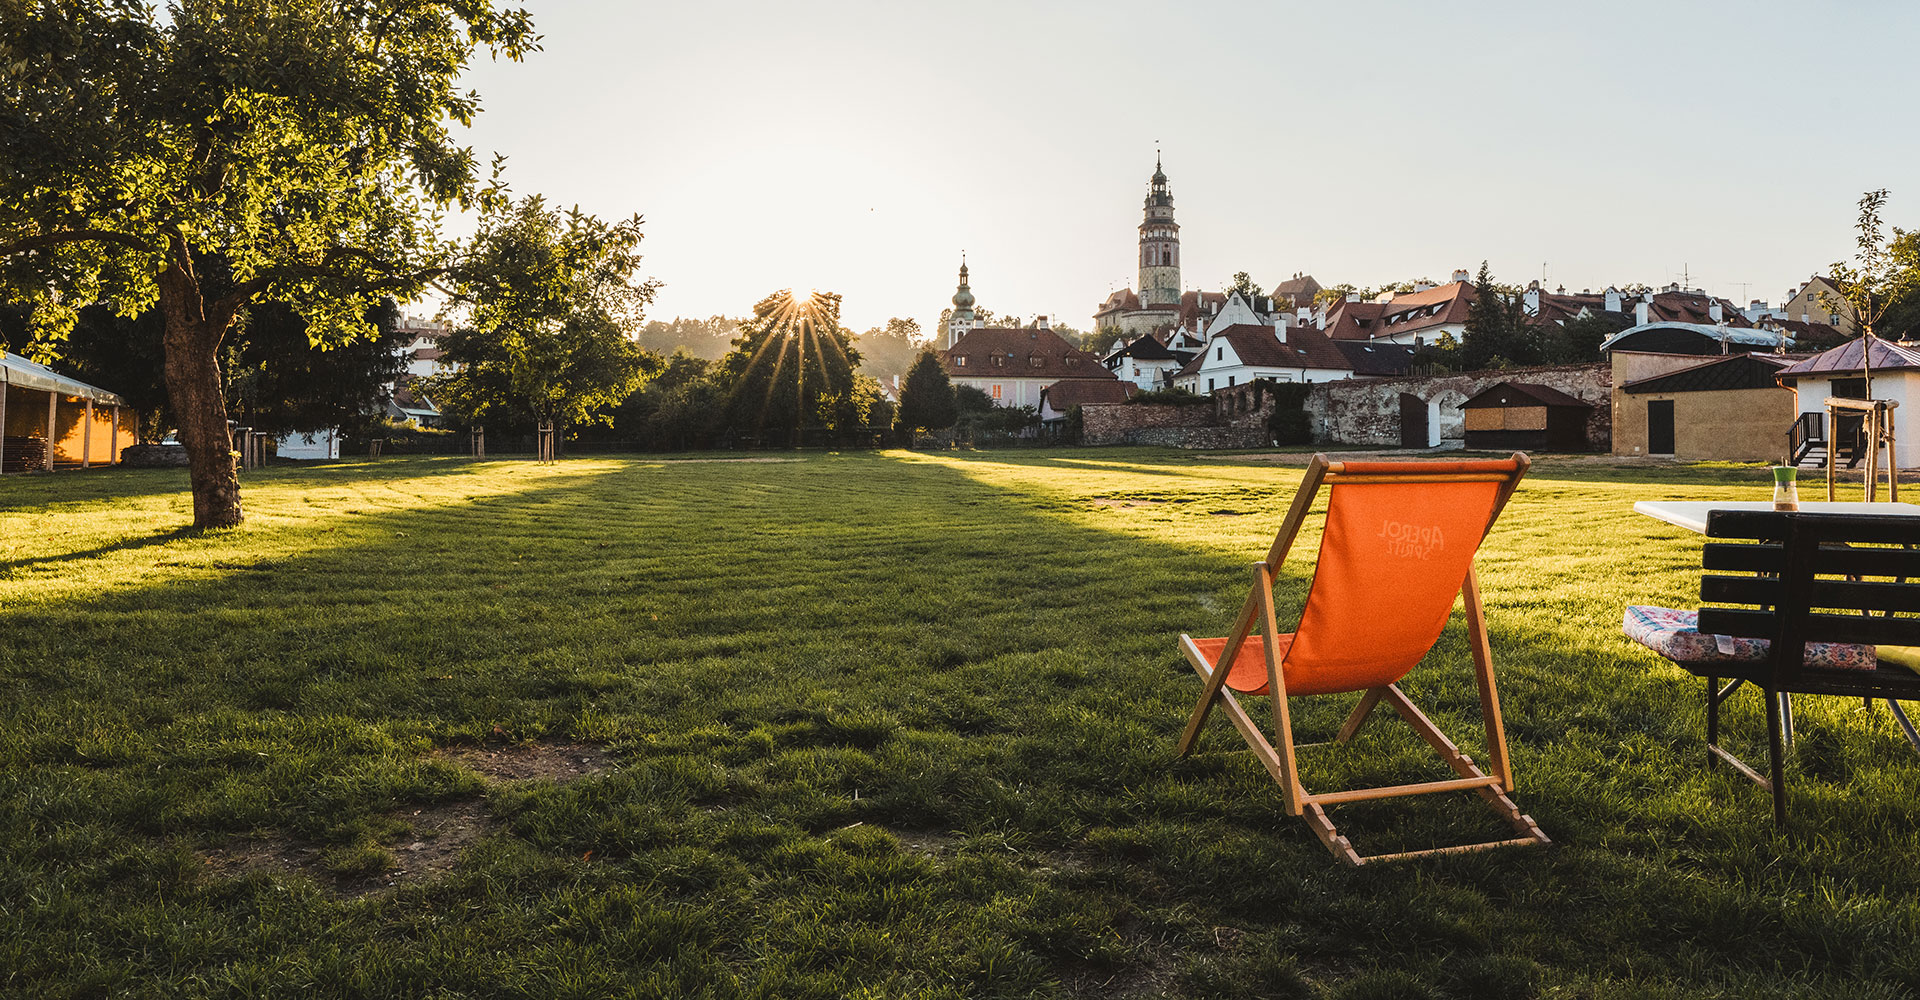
x,y
22,382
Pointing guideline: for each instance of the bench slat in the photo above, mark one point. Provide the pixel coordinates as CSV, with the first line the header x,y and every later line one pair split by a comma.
x,y
1819,628
1733,557
1853,595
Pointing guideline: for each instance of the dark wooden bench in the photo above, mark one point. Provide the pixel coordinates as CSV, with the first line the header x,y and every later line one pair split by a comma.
x,y
1807,578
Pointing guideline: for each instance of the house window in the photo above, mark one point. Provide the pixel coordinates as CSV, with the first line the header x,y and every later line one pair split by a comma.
x,y
960,362
1230,379
1209,385
1070,361
1036,361
996,390
1219,353
999,361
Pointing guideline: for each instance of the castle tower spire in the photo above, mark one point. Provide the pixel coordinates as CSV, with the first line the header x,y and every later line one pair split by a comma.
x,y
1159,244
962,319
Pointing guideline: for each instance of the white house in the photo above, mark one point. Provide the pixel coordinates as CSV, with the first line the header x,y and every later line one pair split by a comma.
x,y
1896,377
1241,353
1011,365
310,445
1148,363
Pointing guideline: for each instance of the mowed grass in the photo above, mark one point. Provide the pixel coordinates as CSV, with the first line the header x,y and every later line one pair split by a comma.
x,y
887,724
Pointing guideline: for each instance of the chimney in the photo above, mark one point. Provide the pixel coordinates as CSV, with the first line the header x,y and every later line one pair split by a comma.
x,y
1714,312
1422,285
1462,275
1613,299
1640,313
1041,322
1533,298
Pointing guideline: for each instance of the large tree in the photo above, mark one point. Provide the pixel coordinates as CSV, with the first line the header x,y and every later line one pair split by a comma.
x,y
926,397
219,153
791,368
1887,274
550,297
888,351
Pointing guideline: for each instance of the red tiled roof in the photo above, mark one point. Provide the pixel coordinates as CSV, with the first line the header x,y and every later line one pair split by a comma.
x,y
1437,306
1689,307
1068,393
1193,305
1354,320
1257,346
1023,353
1122,300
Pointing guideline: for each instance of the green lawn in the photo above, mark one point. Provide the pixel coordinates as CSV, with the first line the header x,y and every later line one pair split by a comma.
x,y
863,725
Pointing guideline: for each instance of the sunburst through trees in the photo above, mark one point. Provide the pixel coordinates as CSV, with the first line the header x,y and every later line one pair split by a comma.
x,y
791,370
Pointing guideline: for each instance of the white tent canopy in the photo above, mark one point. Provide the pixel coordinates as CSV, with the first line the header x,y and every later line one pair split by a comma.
x,y
16,370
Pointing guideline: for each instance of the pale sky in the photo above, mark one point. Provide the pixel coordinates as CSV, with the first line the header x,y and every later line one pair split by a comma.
x,y
860,147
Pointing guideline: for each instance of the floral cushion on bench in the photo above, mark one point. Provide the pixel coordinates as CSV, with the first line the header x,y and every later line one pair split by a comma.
x,y
1676,635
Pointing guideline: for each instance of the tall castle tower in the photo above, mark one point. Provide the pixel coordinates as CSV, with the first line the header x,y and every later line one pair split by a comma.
x,y
961,321
1159,245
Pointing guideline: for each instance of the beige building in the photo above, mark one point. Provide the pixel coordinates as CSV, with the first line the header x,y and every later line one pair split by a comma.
x,y
1728,408
1814,302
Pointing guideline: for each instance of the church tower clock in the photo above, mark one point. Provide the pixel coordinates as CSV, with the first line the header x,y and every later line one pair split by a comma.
x,y
1159,245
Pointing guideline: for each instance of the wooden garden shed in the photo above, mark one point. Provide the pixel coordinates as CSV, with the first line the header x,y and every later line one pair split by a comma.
x,y
1522,416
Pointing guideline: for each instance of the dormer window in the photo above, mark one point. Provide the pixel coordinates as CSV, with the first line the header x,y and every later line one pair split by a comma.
x,y
1036,361
999,361
960,361
1070,361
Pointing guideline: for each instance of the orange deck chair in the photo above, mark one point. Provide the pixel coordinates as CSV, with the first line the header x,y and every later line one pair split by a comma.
x,y
1399,544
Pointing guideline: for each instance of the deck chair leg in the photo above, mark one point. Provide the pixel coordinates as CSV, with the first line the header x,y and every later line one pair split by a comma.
x,y
1775,765
1905,724
1361,713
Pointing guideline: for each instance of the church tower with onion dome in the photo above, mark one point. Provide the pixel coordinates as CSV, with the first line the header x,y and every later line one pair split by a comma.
x,y
962,320
1159,245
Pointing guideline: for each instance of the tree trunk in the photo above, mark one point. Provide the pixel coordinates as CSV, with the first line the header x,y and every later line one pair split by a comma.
x,y
192,340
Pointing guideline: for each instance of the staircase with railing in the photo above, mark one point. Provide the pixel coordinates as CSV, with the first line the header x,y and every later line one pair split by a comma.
x,y
1806,440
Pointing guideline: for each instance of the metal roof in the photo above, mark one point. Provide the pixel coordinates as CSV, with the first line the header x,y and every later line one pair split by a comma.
x,y
1730,334
16,370
1845,359
1730,371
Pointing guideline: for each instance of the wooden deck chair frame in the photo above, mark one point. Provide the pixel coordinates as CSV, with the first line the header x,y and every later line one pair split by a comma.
x,y
1258,613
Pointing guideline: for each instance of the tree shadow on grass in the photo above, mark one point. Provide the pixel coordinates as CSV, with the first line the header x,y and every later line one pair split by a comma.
x,y
125,544
793,660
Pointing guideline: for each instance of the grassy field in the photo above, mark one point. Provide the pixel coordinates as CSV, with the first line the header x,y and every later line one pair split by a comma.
x,y
863,725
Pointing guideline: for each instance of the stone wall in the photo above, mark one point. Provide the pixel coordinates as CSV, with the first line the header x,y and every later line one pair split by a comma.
x,y
1367,411
1123,423
1235,417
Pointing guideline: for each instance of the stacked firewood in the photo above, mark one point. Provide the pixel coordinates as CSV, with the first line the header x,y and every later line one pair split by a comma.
x,y
23,454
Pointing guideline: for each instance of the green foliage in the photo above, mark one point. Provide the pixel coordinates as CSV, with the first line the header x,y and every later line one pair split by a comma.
x,y
1887,273
550,297
1243,285
888,351
971,400
1576,342
1289,424
927,401
1497,334
793,368
1173,394
708,338
216,154
279,381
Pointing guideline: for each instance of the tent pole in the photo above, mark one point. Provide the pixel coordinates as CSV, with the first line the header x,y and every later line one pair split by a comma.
x,y
53,416
113,438
86,438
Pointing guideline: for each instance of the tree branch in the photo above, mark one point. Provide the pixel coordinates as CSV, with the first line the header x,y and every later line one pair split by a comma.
x,y
47,241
